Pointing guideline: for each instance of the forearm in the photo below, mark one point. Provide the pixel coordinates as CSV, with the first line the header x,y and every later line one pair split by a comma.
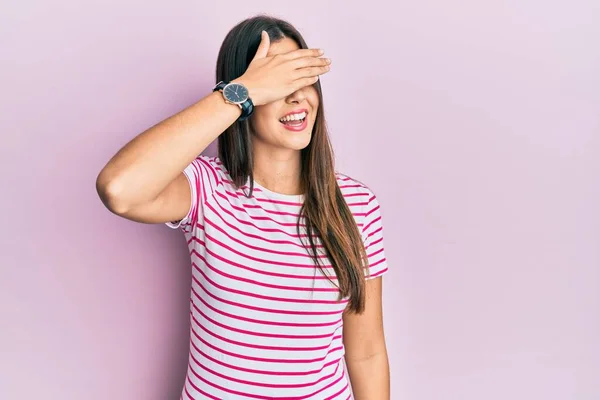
x,y
370,377
149,162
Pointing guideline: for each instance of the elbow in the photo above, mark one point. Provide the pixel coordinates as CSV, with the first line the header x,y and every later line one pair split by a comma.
x,y
111,193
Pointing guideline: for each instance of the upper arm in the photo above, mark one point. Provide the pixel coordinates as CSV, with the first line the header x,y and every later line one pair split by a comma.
x,y
180,204
363,333
172,204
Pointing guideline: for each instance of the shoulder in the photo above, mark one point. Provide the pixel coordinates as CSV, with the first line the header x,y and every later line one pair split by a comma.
x,y
357,194
212,167
364,206
212,162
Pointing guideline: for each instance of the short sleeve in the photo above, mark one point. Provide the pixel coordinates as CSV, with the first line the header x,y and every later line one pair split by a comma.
x,y
203,177
372,234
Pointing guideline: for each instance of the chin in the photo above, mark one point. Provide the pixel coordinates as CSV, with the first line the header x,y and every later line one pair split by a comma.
x,y
296,140
298,146
295,144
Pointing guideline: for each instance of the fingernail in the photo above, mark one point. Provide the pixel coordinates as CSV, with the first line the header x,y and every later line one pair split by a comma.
x,y
321,51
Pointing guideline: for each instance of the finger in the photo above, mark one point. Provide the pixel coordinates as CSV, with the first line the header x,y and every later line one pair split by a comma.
x,y
263,47
311,62
312,71
303,53
303,82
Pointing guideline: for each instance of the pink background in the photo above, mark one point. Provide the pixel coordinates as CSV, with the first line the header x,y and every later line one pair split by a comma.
x,y
476,123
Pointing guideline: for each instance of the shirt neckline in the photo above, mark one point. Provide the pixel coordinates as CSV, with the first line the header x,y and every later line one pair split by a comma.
x,y
281,196
298,198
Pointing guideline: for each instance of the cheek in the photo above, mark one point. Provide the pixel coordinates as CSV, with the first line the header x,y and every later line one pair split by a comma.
x,y
263,119
267,113
313,99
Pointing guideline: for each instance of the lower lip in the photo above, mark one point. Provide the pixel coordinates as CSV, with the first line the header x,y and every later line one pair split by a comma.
x,y
297,128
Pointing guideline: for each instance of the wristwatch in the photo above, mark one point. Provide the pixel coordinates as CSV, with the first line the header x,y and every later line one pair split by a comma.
x,y
236,93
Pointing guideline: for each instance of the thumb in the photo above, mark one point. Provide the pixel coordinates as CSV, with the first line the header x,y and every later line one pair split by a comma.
x,y
263,47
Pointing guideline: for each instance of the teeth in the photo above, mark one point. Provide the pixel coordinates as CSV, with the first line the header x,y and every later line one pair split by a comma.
x,y
294,117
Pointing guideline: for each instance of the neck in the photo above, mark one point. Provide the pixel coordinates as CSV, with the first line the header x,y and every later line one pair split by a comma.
x,y
277,169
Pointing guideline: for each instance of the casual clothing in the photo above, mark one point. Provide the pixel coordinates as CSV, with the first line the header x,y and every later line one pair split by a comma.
x,y
265,322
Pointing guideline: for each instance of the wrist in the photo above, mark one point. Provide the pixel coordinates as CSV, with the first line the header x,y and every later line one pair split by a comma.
x,y
253,93
232,107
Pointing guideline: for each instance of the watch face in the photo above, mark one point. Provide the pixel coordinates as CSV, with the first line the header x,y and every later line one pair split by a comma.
x,y
235,93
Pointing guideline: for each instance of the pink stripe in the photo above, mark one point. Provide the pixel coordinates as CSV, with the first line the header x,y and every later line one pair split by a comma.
x,y
231,183
375,275
264,347
335,396
196,388
210,168
243,210
260,371
255,282
371,223
261,322
270,360
266,200
205,181
355,194
200,189
350,186
362,203
326,387
375,253
342,177
260,260
374,243
268,385
256,321
374,232
261,334
254,206
260,296
255,236
378,262
285,203
253,225
261,309
259,396
322,389
224,389
194,208
238,194
373,209
286,253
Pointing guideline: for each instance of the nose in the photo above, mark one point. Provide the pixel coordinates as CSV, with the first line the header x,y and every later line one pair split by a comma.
x,y
296,97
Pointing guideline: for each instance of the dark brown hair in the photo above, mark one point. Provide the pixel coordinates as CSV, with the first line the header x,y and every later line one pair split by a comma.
x,y
325,211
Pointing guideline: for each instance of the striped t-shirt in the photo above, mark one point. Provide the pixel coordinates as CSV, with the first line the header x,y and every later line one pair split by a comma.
x,y
265,322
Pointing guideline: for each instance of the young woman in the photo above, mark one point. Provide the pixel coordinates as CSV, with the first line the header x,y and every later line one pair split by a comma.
x,y
285,251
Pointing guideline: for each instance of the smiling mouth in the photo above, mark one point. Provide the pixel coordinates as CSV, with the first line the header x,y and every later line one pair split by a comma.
x,y
294,119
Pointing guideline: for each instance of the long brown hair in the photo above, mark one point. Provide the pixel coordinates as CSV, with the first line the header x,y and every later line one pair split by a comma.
x,y
324,210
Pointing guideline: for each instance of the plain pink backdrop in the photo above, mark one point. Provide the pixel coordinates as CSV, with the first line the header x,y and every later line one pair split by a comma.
x,y
476,123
